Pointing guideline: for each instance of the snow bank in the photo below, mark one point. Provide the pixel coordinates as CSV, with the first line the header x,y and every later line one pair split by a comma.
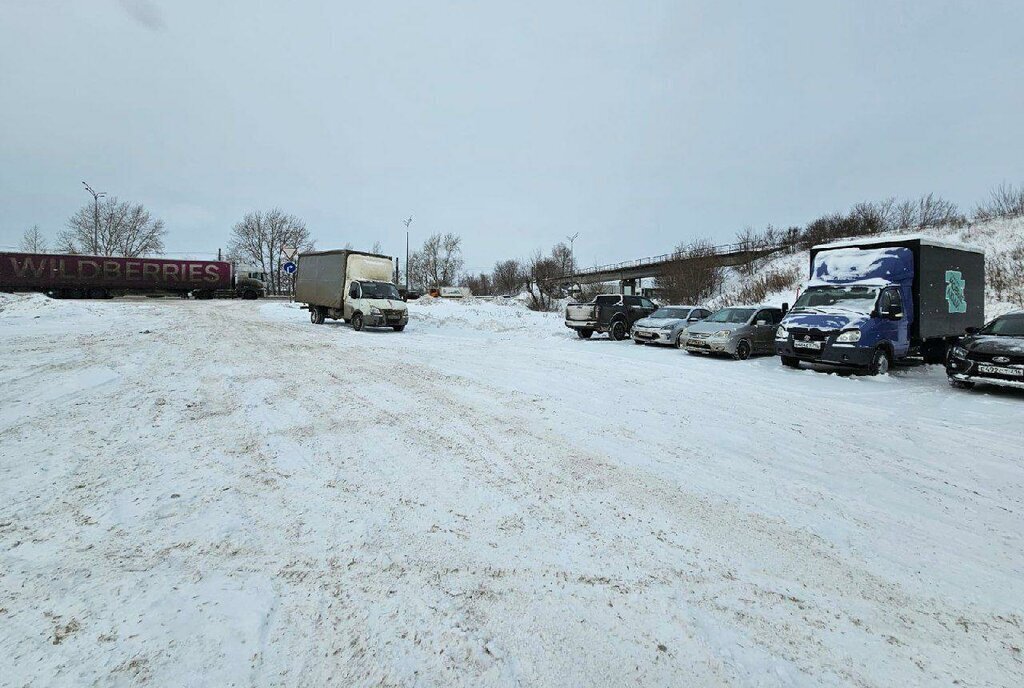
x,y
501,316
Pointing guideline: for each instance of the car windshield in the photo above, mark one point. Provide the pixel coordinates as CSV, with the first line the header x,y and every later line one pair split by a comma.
x,y
853,298
666,313
1006,326
380,290
731,315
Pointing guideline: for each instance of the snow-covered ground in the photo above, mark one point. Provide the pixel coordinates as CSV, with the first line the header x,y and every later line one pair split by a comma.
x,y
219,493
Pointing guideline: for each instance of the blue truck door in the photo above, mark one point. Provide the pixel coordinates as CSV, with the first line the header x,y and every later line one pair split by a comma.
x,y
896,331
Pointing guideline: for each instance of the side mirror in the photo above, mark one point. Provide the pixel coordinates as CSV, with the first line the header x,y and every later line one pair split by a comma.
x,y
972,330
693,319
894,314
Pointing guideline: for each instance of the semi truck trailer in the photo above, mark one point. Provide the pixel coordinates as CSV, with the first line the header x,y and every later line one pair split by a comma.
x,y
352,286
872,302
73,276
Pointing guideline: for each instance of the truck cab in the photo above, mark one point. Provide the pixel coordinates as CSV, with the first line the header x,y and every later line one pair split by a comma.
x,y
873,302
374,303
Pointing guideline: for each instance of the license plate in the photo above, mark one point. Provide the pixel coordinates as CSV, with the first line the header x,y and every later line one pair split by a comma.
x,y
999,370
696,343
643,335
807,345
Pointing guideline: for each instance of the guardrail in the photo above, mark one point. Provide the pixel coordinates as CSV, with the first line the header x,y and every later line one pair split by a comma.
x,y
723,250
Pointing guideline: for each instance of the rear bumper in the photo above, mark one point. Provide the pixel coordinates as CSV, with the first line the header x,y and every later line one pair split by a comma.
x,y
830,354
584,325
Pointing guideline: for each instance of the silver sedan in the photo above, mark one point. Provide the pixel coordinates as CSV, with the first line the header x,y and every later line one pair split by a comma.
x,y
667,325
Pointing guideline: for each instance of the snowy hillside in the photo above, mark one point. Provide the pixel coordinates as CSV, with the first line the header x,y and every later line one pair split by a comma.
x,y
1002,239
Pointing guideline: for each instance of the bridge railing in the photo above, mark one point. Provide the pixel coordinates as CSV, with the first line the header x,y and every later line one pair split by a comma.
x,y
722,250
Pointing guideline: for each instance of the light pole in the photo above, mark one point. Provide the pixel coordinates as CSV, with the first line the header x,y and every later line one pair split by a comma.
x,y
407,223
96,196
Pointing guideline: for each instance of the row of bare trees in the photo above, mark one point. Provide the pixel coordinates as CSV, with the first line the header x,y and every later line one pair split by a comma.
x,y
259,239
108,227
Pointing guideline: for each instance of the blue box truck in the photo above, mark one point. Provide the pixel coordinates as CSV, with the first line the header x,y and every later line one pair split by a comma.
x,y
872,302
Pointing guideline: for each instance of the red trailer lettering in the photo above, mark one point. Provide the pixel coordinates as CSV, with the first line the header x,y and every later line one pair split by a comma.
x,y
27,265
211,274
195,272
111,269
150,271
170,272
82,264
131,270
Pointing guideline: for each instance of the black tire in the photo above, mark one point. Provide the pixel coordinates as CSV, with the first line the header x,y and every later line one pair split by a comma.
x,y
742,351
398,328
681,340
316,315
880,362
584,334
961,384
357,321
249,295
790,361
618,331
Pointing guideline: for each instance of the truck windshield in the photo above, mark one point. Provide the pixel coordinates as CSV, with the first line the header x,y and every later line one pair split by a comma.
x,y
666,313
380,290
731,315
1006,326
852,298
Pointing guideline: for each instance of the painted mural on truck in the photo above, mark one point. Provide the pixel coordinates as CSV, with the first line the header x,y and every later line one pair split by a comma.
x,y
43,271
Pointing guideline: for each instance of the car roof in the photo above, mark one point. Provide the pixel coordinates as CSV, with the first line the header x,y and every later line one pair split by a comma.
x,y
750,306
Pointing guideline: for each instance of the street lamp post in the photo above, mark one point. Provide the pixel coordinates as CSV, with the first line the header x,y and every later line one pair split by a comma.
x,y
407,223
96,196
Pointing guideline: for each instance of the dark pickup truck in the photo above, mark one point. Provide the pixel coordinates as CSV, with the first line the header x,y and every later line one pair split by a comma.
x,y
611,313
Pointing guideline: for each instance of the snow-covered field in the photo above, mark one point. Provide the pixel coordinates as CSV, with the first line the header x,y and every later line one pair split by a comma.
x,y
219,493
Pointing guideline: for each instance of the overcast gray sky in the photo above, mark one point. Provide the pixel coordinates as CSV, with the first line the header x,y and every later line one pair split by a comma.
x,y
637,124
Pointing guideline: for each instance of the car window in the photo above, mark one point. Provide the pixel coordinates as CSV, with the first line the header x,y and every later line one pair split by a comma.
x,y
631,300
897,298
763,315
776,316
606,300
646,303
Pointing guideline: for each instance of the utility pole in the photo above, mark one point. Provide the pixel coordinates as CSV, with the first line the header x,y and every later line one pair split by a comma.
x,y
407,223
96,196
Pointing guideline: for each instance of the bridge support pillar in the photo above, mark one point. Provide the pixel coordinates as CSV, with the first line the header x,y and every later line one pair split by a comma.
x,y
627,286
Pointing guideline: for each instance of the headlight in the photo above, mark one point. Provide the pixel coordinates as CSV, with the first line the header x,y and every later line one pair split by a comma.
x,y
374,310
722,333
959,352
782,333
666,327
848,337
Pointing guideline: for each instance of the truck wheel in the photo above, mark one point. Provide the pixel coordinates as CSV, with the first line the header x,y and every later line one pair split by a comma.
x,y
398,328
618,331
742,351
961,384
249,295
791,361
316,315
584,333
879,363
357,321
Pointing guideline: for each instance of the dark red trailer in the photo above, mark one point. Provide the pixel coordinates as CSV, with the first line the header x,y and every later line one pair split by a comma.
x,y
101,277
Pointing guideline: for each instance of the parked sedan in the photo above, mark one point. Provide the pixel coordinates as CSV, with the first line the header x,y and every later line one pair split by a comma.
x,y
993,355
737,331
667,325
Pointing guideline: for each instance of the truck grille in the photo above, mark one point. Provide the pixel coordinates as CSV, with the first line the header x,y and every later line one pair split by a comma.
x,y
810,334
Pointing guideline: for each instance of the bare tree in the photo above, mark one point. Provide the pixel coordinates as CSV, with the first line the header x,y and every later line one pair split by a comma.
x,y
693,276
562,255
480,284
113,228
438,263
33,241
258,239
544,273
508,277
934,211
376,248
1005,201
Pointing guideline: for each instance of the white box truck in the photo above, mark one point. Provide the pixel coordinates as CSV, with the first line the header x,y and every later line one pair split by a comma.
x,y
352,286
